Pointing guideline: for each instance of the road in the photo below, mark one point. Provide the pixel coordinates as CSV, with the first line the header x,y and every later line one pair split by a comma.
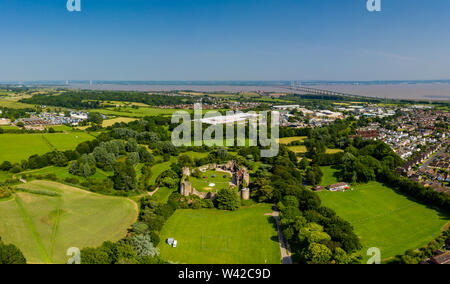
x,y
428,162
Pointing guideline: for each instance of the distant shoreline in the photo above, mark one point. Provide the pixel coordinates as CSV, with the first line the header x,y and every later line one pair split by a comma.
x,y
432,90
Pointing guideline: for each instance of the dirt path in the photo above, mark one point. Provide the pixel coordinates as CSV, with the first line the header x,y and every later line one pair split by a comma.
x,y
153,192
284,246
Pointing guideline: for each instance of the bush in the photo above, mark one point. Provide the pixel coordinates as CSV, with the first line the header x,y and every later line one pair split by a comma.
x,y
5,192
10,254
39,191
228,199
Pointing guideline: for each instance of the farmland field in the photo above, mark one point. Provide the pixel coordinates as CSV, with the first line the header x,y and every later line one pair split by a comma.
x,y
298,149
17,147
44,227
385,219
288,140
210,236
136,113
111,122
302,149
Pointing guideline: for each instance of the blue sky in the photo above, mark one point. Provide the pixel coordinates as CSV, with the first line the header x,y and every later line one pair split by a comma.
x,y
224,40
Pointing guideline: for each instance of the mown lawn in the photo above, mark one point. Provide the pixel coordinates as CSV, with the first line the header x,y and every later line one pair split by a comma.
x,y
211,236
216,177
385,219
44,227
329,176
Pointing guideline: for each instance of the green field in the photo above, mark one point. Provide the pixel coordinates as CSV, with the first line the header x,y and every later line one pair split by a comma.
x,y
385,219
136,113
163,193
298,149
210,236
17,147
329,176
202,184
196,155
44,227
111,122
5,175
289,140
63,172
159,169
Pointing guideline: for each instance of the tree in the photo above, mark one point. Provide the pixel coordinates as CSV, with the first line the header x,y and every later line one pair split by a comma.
x,y
132,145
228,199
133,158
10,254
143,245
6,166
317,254
95,118
94,256
124,177
185,161
169,182
145,156
59,159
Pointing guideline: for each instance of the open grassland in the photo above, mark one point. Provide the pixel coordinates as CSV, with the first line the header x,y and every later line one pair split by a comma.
x,y
17,147
142,111
210,236
329,176
385,219
298,149
158,169
44,227
13,103
162,195
288,140
63,172
111,122
67,141
9,127
333,151
196,155
4,176
220,179
302,149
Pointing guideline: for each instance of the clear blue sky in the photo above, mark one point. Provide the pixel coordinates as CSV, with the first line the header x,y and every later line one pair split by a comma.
x,y
224,40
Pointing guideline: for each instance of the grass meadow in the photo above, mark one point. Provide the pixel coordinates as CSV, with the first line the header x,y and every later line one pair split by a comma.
x,y
385,219
210,236
163,193
44,227
288,140
63,172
